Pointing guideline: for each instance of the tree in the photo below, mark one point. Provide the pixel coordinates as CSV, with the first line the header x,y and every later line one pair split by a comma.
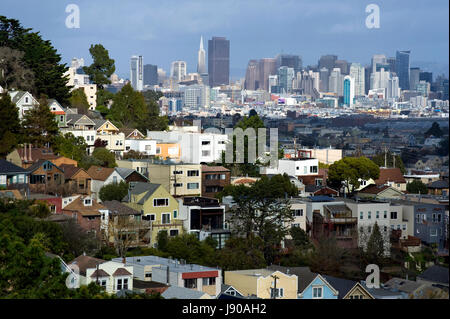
x,y
327,257
40,57
102,66
299,237
78,240
416,187
379,159
162,239
128,108
113,191
70,146
242,253
10,132
105,157
374,252
434,130
78,100
104,98
154,122
443,147
350,170
100,143
88,161
39,125
14,74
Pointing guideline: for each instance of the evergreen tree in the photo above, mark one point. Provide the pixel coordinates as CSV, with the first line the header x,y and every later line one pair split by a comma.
x,y
10,131
434,130
417,187
128,108
113,191
102,66
162,239
105,157
375,246
78,100
39,125
70,146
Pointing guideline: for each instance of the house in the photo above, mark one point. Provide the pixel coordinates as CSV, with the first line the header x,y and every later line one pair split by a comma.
x,y
229,292
110,275
408,287
77,179
45,177
214,179
102,176
439,188
298,208
434,275
425,177
319,288
148,287
86,211
109,133
81,125
314,190
58,111
206,217
118,219
176,273
384,293
304,274
348,289
157,206
28,155
54,203
130,175
136,141
169,150
373,191
24,101
12,175
305,169
263,283
392,177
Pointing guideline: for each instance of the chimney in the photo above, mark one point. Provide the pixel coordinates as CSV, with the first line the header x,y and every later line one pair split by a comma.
x,y
24,155
29,145
124,260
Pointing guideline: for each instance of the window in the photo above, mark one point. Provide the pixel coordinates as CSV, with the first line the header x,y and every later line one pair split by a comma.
x,y
439,218
178,185
393,215
298,212
165,218
369,215
434,218
313,169
190,283
404,227
418,218
317,292
319,181
158,150
361,215
177,172
61,118
192,186
119,284
433,232
378,214
385,214
192,173
125,283
173,232
87,202
175,214
206,142
152,217
385,228
148,275
275,293
157,202
369,229
115,179
398,227
210,281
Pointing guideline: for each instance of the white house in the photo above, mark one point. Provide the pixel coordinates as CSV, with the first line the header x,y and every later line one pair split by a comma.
x,y
23,100
81,125
294,167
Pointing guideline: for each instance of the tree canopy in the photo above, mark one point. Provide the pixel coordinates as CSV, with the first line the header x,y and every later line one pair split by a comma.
x,y
102,66
434,130
416,187
78,100
10,129
114,191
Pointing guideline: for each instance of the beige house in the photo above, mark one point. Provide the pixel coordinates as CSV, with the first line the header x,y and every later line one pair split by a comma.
x,y
298,209
261,283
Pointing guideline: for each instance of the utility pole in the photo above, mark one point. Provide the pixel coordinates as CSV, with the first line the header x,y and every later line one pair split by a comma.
x,y
393,158
275,286
385,157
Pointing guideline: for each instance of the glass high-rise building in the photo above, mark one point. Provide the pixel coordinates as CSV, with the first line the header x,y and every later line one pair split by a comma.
x,y
349,90
137,72
201,63
358,74
150,74
285,78
327,61
426,76
289,60
414,78
402,68
218,61
178,70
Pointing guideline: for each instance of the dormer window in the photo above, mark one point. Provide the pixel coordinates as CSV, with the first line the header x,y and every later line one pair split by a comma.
x,y
87,202
26,100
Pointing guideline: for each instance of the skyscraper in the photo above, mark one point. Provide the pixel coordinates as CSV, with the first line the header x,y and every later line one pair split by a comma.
x,y
323,76
251,76
219,61
137,72
266,67
357,73
402,68
391,62
343,65
327,61
349,90
150,74
201,66
285,78
178,70
378,59
335,82
414,78
289,60
426,76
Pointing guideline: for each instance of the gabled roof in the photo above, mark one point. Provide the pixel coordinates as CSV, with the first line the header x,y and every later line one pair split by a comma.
x,y
85,262
139,188
441,184
37,153
121,272
174,292
436,274
304,274
72,119
70,170
117,208
402,285
39,163
128,131
377,189
390,175
16,96
78,205
125,172
344,286
9,168
100,173
322,279
214,169
99,273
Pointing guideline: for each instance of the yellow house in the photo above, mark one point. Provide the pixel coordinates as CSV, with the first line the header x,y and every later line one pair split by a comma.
x,y
261,283
156,205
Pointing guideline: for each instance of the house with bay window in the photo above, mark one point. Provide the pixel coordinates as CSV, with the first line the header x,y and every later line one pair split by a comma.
x,y
12,175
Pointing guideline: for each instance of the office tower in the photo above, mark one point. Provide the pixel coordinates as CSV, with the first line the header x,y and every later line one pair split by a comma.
x,y
273,83
323,77
196,96
391,62
150,74
289,60
285,78
178,70
137,73
367,73
218,61
327,61
251,76
423,88
378,59
266,67
379,80
393,90
357,73
335,82
349,90
308,83
201,66
343,65
402,68
414,78
161,76
426,76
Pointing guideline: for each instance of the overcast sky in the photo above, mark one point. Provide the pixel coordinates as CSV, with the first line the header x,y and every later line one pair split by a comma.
x,y
167,30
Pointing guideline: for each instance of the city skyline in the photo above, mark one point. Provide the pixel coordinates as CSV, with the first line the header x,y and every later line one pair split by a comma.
x,y
162,42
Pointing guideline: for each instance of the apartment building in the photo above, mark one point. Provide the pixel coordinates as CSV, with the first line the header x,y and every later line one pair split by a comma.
x,y
214,179
306,170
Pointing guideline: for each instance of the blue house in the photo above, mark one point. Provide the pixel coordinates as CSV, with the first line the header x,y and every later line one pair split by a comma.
x,y
319,288
12,175
429,223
